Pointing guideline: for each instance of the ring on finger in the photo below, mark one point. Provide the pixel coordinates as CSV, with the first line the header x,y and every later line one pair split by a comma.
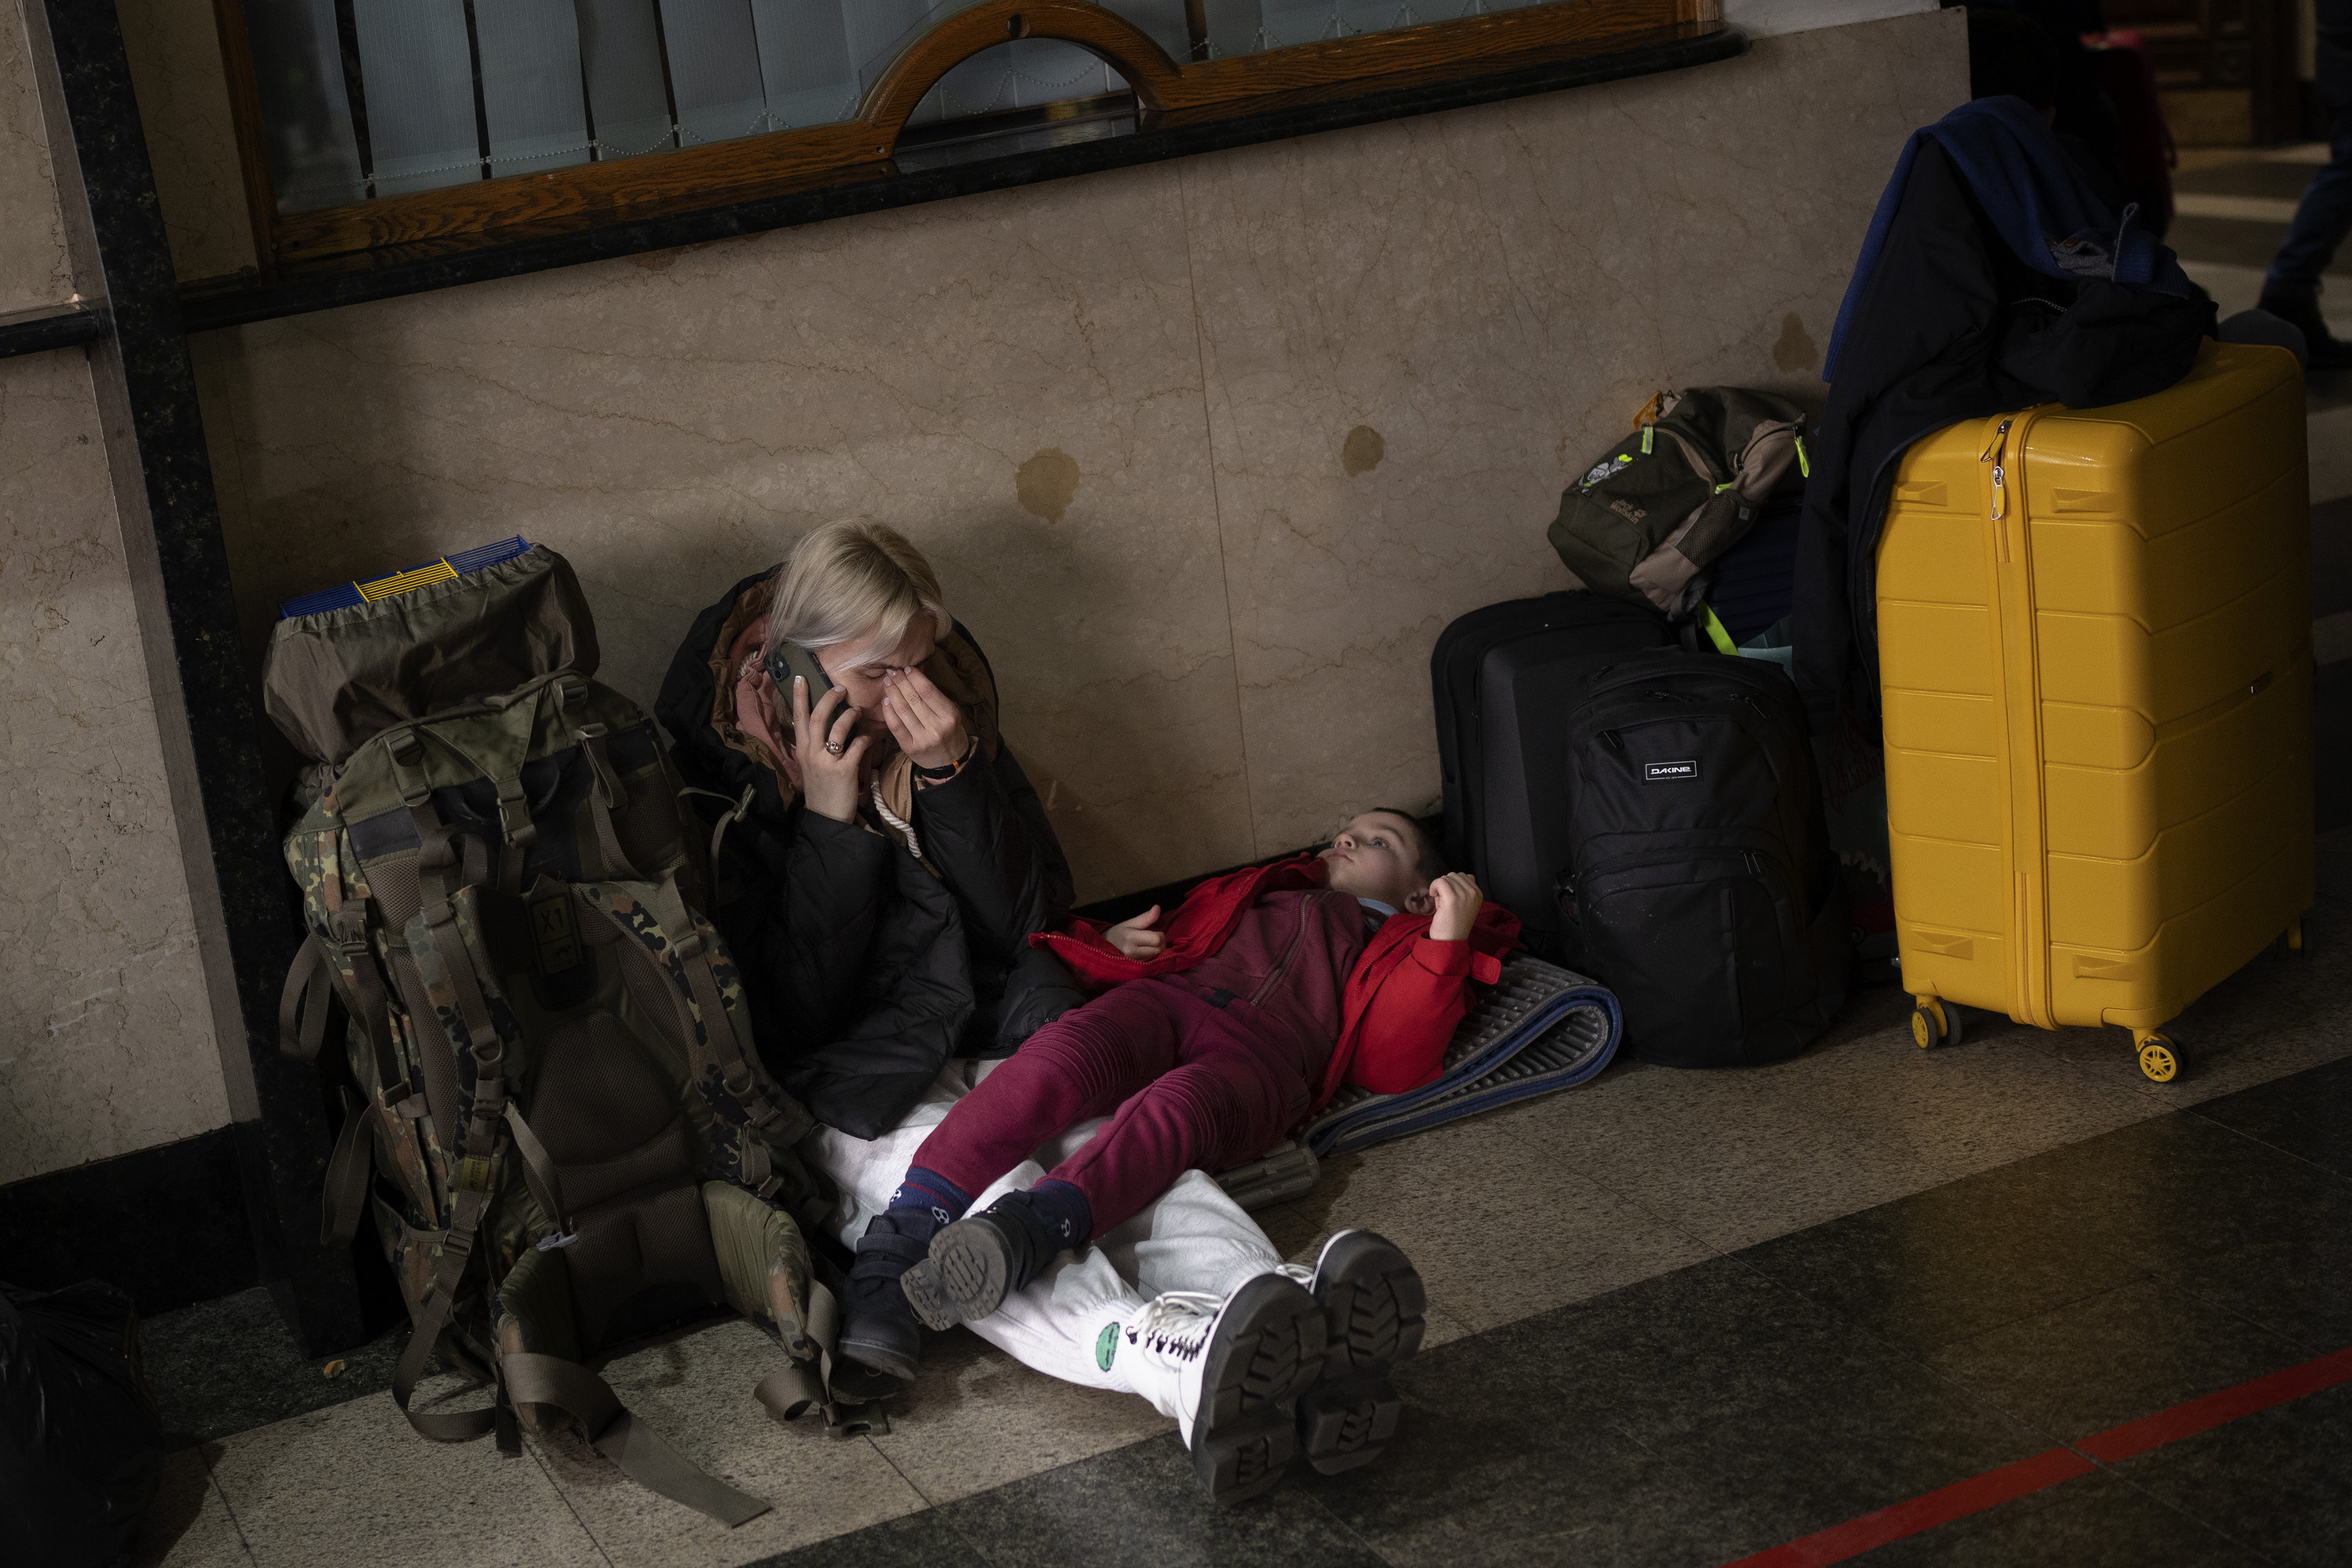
x,y
835,747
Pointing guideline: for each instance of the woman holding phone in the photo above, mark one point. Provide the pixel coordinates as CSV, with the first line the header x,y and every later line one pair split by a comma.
x,y
881,857
881,862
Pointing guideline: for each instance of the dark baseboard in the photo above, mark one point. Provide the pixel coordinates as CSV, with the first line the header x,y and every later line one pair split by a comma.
x,y
168,1225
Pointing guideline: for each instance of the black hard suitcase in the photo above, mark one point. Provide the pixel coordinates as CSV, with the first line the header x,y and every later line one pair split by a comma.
x,y
1505,678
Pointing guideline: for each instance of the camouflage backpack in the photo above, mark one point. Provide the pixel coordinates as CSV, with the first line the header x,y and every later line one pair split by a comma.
x,y
550,1117
1646,522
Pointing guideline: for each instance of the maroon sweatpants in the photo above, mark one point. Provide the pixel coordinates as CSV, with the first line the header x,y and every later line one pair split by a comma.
x,y
1194,1086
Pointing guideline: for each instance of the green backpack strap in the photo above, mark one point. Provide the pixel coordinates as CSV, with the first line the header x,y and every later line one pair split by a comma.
x,y
466,1206
344,1200
301,1032
539,1174
610,794
637,1448
447,970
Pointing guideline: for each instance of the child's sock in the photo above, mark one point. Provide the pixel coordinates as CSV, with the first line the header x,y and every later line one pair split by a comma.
x,y
1062,1212
932,1193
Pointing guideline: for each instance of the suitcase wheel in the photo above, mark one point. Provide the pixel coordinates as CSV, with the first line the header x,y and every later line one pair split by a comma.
x,y
1935,1021
2160,1058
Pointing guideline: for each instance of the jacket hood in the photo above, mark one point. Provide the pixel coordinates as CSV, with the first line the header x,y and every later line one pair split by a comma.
x,y
687,703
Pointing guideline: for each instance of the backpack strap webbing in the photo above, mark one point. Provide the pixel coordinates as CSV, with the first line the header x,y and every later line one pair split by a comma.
x,y
345,1197
396,1088
609,796
300,1033
793,1389
640,1452
436,852
302,1007
466,1208
475,1180
539,1174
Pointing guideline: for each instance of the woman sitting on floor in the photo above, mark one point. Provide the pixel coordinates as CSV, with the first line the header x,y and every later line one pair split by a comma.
x,y
881,865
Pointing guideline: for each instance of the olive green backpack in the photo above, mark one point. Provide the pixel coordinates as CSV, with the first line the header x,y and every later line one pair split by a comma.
x,y
1648,520
552,1119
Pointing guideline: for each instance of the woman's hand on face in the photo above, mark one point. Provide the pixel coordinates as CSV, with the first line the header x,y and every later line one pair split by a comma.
x,y
928,727
828,773
1135,938
1457,899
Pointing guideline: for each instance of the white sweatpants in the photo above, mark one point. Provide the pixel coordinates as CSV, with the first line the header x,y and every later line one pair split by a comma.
x,y
1193,1237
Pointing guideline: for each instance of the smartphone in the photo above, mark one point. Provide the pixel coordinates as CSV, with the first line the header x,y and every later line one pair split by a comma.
x,y
797,661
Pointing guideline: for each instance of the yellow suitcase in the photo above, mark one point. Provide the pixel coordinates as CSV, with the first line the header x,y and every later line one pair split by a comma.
x,y
2094,650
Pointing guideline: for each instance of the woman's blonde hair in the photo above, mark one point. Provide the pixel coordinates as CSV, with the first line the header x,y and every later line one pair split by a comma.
x,y
846,579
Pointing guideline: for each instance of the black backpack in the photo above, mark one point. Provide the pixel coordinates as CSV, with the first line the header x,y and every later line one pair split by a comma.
x,y
1701,887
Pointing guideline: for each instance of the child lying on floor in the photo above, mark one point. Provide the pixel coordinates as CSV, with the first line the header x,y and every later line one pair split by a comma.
x,y
1269,990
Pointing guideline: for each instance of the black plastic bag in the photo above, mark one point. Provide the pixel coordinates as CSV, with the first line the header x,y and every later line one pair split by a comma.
x,y
81,1451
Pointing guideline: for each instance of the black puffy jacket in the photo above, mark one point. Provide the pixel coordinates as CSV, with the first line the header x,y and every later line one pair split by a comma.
x,y
865,970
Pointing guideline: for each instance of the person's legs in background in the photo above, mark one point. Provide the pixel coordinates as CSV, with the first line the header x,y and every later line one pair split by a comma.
x,y
2324,217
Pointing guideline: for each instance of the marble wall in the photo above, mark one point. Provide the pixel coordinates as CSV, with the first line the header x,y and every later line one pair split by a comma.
x,y
106,1043
1206,452
34,269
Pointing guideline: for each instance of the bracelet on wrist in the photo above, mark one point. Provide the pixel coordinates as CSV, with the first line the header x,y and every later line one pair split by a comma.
x,y
942,775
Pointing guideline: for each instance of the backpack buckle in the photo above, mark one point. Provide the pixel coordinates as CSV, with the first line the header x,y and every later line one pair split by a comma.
x,y
407,754
347,929
555,1241
514,814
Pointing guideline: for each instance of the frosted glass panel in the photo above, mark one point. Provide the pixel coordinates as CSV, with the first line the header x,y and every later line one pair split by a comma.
x,y
805,62
620,53
1164,20
714,69
297,65
419,92
878,29
1047,70
532,97
1026,74
1236,27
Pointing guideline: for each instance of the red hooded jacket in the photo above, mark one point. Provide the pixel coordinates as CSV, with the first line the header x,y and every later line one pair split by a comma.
x,y
1403,998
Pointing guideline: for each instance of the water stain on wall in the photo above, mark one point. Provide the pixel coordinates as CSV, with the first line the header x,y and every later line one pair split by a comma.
x,y
1046,484
1362,451
1795,351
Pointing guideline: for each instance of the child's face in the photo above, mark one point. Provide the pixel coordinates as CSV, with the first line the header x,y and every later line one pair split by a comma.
x,y
1374,857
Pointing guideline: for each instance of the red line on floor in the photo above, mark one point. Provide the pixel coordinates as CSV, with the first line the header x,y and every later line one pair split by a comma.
x,y
2052,1466
2201,1415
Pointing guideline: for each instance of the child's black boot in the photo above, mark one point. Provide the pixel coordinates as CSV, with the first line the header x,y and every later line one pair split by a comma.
x,y
879,1327
978,1261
